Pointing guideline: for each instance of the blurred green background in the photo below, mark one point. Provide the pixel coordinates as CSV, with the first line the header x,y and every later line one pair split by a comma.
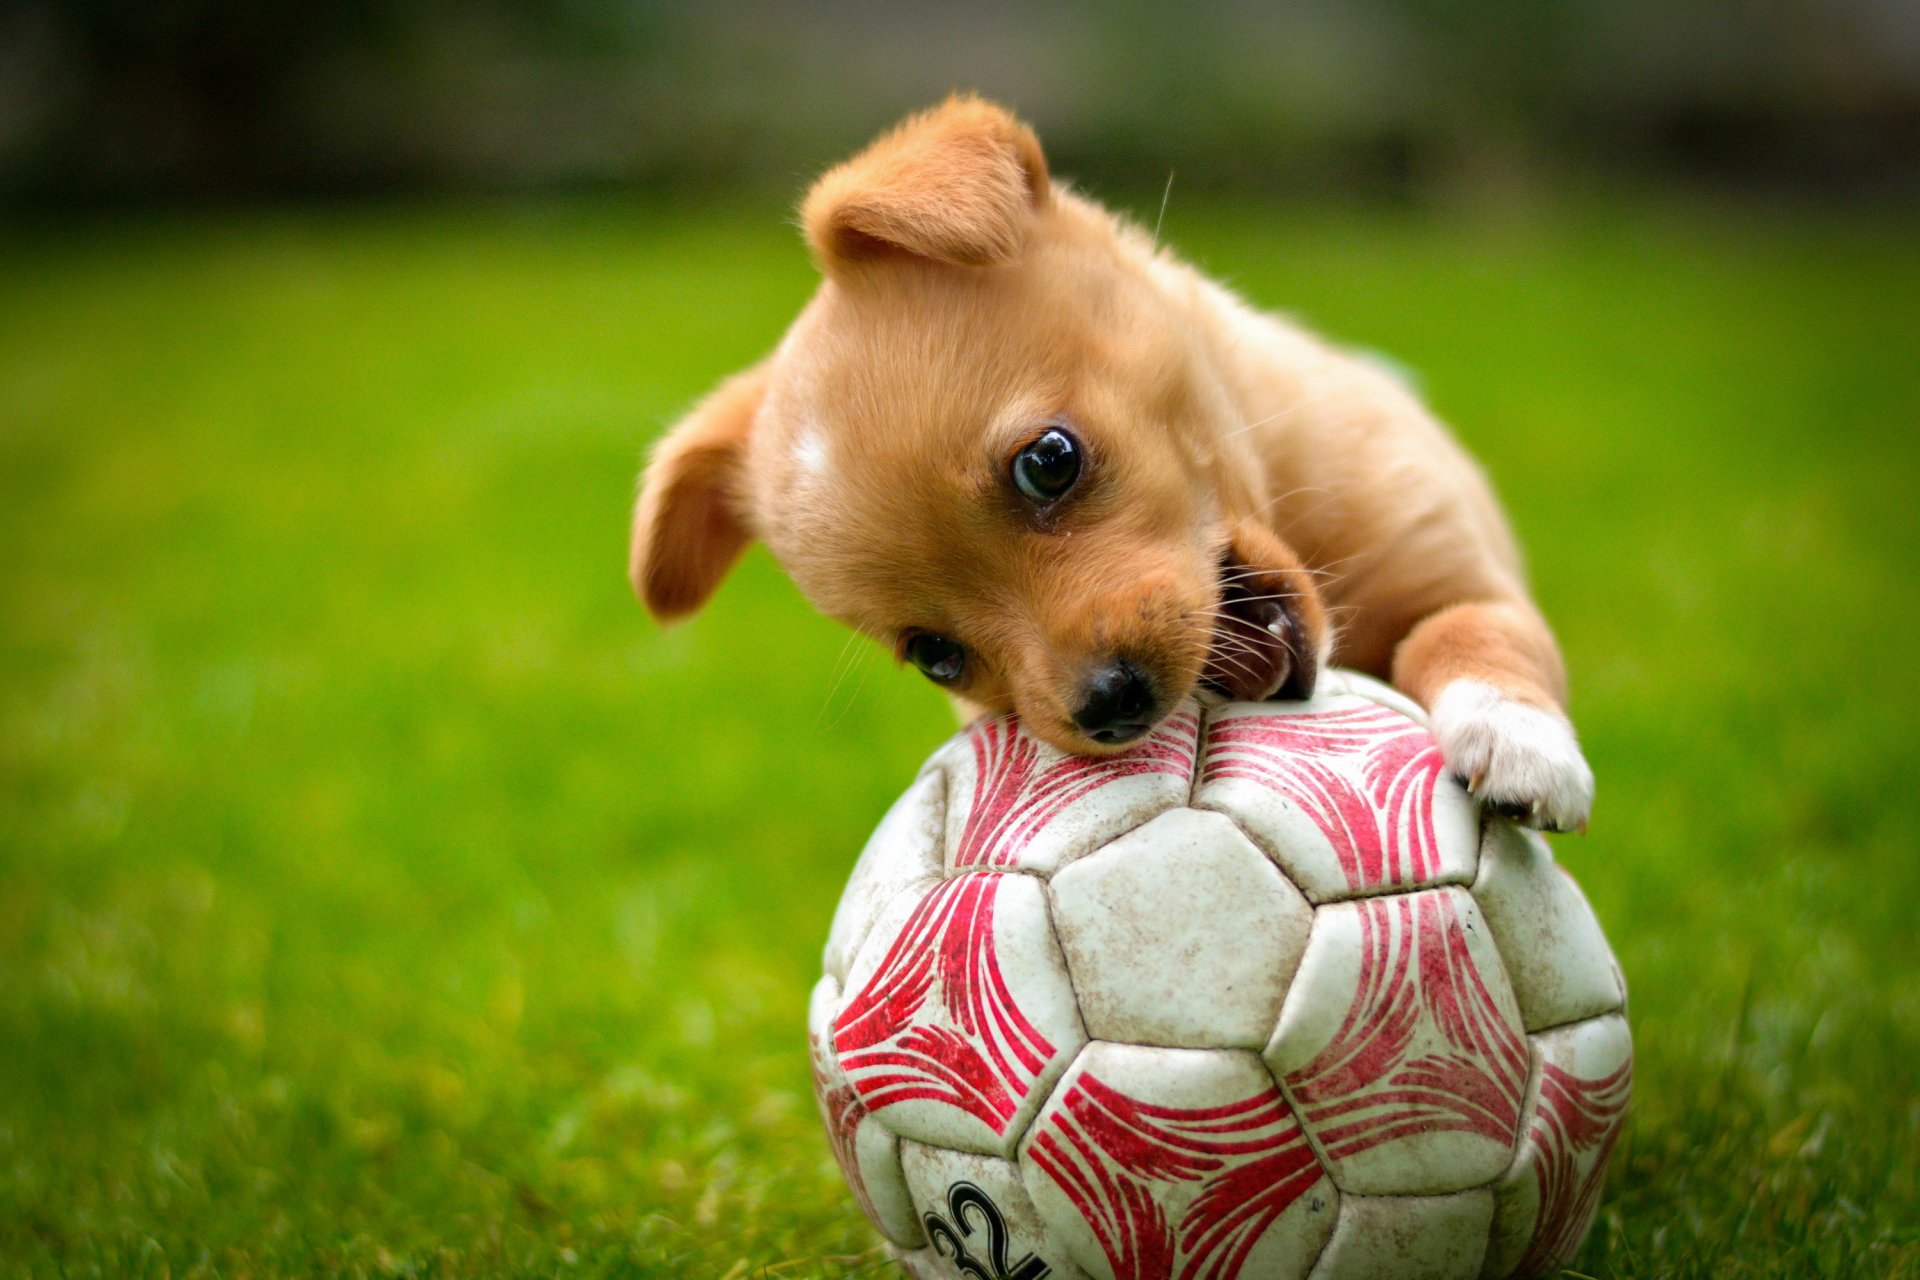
x,y
1392,99
381,894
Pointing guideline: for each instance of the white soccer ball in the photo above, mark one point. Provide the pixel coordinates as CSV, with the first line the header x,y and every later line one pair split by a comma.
x,y
1266,996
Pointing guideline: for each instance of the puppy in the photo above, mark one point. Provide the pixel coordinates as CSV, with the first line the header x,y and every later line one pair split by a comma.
x,y
1064,474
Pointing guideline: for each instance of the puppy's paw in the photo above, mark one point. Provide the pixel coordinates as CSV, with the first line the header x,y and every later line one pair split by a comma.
x,y
1517,759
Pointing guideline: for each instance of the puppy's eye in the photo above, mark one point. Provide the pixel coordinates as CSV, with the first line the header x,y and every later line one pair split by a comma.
x,y
940,660
1047,468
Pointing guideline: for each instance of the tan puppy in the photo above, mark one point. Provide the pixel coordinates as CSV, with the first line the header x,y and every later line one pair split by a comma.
x,y
1062,473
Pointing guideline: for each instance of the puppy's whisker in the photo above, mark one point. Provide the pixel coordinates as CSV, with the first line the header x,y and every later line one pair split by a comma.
x,y
1221,614
1330,571
1237,665
1305,402
1295,492
1238,579
1245,574
1244,597
853,695
1227,641
1219,617
842,668
1161,220
1271,595
1236,646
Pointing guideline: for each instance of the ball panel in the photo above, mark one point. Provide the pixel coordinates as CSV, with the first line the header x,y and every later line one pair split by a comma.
x,y
1400,1045
1161,1162
1359,686
1408,1237
902,854
1555,954
1015,802
1180,933
868,1154
959,1014
978,1220
1545,1204
1348,796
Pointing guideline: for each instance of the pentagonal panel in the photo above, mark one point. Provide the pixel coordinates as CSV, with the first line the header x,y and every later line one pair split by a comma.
x,y
959,1014
1400,1045
1162,1162
1545,1204
1408,1237
1180,933
902,854
1350,797
1559,961
1016,802
868,1154
978,1220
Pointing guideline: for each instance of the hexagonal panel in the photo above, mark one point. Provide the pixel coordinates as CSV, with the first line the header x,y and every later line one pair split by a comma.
x,y
978,1220
1400,1045
1545,1204
1015,802
1349,796
959,1014
1161,1162
1561,967
1180,933
1352,682
902,853
869,1156
1408,1237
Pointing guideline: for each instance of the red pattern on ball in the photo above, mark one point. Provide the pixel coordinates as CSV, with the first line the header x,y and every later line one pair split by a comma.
x,y
937,1020
1363,1089
1116,1158
1364,775
1576,1124
841,1110
1014,797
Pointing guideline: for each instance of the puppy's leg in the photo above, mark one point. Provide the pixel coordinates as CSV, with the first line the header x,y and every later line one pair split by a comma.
x,y
1491,677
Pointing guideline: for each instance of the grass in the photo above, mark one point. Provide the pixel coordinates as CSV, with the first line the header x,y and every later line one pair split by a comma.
x,y
381,894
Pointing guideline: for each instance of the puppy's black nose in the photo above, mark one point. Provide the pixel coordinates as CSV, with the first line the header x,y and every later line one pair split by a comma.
x,y
1116,704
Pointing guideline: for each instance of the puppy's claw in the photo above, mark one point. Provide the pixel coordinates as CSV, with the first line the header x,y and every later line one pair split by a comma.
x,y
1523,763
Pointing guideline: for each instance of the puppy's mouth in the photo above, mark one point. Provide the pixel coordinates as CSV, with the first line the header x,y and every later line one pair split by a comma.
x,y
1259,649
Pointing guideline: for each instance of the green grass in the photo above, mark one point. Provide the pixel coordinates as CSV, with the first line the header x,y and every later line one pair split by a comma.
x,y
381,894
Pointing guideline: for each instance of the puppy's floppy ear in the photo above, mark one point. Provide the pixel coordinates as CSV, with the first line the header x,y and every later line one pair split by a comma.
x,y
958,184
687,527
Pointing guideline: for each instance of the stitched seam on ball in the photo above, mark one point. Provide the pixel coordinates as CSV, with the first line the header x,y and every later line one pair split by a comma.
x,y
1616,1011
1205,731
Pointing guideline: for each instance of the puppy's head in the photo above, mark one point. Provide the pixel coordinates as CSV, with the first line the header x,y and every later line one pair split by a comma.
x,y
995,440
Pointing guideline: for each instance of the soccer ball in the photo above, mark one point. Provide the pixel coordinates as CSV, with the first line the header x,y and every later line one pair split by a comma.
x,y
1268,996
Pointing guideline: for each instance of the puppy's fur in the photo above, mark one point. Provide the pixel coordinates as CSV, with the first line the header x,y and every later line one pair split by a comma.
x,y
1241,480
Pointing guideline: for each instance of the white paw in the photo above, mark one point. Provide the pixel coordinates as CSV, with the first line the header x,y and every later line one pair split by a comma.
x,y
1515,758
